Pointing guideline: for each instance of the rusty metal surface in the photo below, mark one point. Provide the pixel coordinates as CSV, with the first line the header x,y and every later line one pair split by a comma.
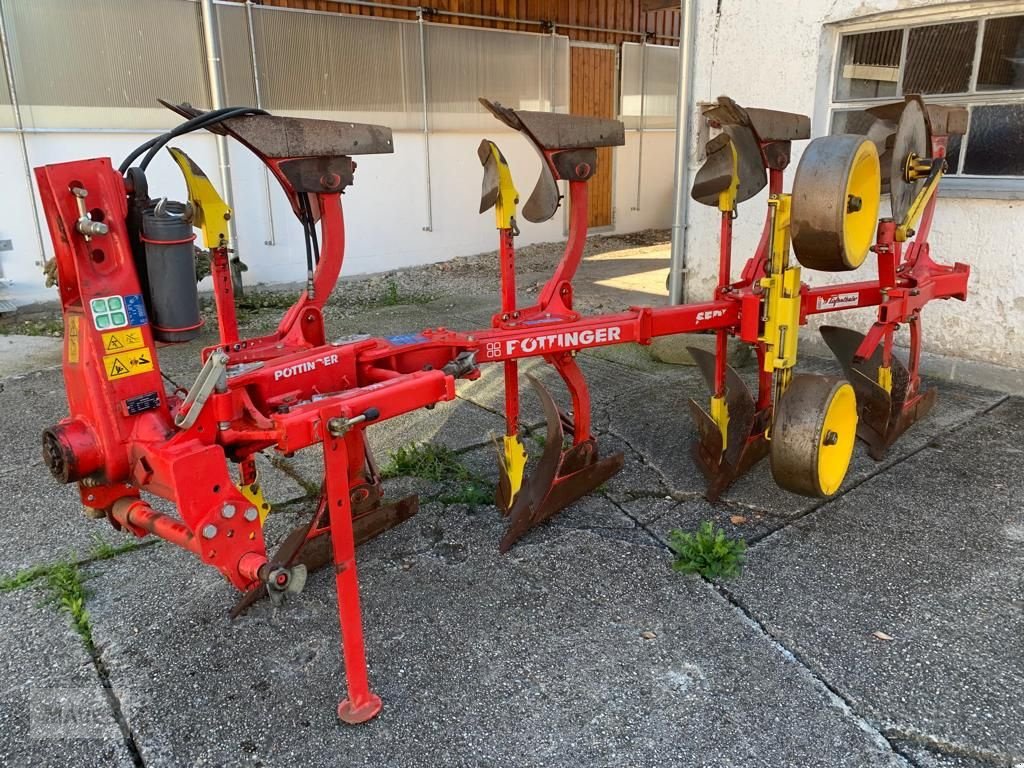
x,y
309,544
551,130
912,137
745,443
736,123
883,416
556,131
491,183
560,477
772,125
280,137
944,120
715,175
544,199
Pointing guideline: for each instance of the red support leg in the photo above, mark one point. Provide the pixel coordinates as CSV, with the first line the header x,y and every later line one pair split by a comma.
x,y
224,295
360,704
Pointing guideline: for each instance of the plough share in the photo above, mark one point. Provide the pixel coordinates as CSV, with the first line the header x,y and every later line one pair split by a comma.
x,y
126,279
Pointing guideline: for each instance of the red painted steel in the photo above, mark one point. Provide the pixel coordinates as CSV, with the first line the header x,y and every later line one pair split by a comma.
x,y
121,439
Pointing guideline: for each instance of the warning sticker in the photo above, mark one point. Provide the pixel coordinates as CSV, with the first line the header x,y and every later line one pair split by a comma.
x,y
122,341
73,349
124,364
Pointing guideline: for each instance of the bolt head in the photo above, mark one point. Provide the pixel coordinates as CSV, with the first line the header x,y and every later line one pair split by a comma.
x,y
252,514
209,531
228,511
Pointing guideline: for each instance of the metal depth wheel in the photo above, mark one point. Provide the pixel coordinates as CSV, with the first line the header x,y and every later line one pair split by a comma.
x,y
836,195
813,435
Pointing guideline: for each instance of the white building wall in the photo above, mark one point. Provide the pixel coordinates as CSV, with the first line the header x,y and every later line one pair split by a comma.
x,y
385,211
778,55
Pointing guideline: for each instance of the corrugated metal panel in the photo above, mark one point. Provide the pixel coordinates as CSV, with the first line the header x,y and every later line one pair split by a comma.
x,y
6,110
236,55
339,66
513,68
75,61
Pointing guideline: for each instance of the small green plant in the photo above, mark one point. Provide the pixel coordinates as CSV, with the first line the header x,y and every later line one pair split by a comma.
x,y
103,550
474,494
440,463
431,462
391,294
23,578
53,327
708,552
68,592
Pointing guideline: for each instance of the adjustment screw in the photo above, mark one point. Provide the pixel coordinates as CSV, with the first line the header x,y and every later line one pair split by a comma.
x,y
853,204
251,514
228,511
209,531
831,438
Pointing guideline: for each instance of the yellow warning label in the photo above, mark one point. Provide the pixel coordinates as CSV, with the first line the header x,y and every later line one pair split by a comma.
x,y
128,363
121,341
73,350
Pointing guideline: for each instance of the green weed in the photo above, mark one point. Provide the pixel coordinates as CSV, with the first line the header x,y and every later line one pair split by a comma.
x,y
708,552
431,462
474,494
52,326
23,578
68,593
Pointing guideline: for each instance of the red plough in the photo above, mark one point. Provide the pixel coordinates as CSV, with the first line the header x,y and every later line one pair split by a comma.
x,y
126,279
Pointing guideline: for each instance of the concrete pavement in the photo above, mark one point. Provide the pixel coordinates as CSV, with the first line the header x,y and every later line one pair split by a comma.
x,y
579,647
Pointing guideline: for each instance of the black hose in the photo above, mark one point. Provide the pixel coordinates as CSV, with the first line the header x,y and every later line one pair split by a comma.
x,y
306,217
313,234
199,121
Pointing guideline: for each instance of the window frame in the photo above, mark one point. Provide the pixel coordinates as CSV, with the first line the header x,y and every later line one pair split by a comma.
x,y
973,186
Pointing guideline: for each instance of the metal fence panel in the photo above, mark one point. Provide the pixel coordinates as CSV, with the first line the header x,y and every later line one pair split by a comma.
x,y
6,108
75,63
339,67
520,70
236,55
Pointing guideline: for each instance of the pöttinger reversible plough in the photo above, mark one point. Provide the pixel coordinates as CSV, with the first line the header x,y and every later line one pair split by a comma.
x,y
126,279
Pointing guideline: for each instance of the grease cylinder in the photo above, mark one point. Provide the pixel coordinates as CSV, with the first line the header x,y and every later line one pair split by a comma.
x,y
170,264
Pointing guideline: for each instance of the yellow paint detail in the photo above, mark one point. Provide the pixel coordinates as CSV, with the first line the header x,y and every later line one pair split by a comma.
x,y
210,212
782,293
122,341
73,335
727,197
514,459
720,415
254,493
885,378
508,196
864,183
838,434
130,363
903,228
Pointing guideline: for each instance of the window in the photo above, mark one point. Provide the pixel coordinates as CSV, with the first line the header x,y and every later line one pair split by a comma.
x,y
977,63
